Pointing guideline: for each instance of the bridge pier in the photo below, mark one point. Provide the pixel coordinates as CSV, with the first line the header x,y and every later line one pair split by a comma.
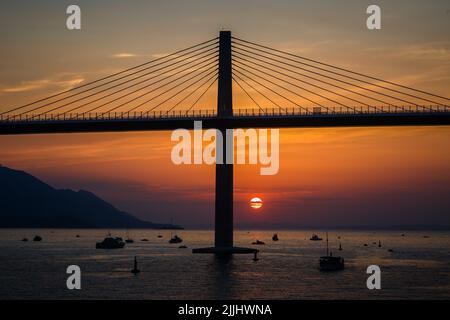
x,y
223,239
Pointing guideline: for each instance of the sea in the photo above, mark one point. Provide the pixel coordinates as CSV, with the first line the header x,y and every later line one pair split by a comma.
x,y
413,265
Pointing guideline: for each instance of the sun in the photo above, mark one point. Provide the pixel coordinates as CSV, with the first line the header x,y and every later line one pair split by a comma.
x,y
256,203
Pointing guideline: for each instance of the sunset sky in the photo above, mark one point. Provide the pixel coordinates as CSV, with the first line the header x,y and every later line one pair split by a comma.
x,y
327,177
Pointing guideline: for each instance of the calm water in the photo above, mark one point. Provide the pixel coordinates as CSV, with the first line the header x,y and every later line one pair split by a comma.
x,y
419,268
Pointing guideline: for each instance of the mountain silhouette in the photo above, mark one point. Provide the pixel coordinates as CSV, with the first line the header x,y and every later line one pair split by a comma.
x,y
27,202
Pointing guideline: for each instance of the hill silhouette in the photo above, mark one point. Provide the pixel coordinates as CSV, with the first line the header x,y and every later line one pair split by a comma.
x,y
27,202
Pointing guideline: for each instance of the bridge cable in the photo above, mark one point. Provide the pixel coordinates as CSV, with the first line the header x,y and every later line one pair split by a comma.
x,y
354,79
121,83
123,89
346,70
290,83
304,75
113,75
262,94
201,96
178,92
271,82
192,92
168,90
155,89
326,76
254,101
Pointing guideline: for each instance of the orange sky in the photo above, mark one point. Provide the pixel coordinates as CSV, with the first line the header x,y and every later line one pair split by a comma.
x,y
354,176
342,176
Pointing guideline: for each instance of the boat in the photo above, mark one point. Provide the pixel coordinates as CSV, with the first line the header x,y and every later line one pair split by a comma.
x,y
255,256
25,239
315,237
257,242
379,243
144,239
340,246
175,239
110,243
330,263
275,237
159,236
135,269
182,247
128,240
37,238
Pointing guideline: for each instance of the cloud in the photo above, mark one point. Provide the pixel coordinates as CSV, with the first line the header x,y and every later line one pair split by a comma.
x,y
41,84
27,86
125,55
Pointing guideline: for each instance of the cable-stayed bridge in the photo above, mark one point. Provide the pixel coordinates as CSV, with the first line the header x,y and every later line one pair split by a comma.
x,y
274,89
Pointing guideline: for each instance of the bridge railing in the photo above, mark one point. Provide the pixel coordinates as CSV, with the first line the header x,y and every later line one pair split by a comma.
x,y
210,113
317,111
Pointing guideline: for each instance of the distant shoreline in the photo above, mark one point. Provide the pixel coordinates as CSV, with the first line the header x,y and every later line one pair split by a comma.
x,y
396,228
95,228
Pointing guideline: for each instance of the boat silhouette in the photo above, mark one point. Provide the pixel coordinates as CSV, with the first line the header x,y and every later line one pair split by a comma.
x,y
135,269
330,263
315,237
275,237
257,242
128,239
175,239
110,243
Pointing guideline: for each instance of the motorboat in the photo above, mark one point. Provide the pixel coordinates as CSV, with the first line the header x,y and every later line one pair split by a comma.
x,y
257,242
110,243
175,239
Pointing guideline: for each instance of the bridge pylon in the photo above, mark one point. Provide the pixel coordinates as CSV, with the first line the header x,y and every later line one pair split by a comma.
x,y
223,239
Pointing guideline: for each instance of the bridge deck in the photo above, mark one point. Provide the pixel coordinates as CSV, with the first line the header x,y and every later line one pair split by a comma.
x,y
241,119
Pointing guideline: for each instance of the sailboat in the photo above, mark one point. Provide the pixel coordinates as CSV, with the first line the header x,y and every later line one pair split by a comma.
x,y
175,238
135,269
330,263
128,239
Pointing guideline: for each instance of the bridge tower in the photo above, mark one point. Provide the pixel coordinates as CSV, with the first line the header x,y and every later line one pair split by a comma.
x,y
224,172
223,240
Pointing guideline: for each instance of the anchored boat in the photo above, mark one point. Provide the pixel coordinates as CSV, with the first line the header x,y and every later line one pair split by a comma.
x,y
330,263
